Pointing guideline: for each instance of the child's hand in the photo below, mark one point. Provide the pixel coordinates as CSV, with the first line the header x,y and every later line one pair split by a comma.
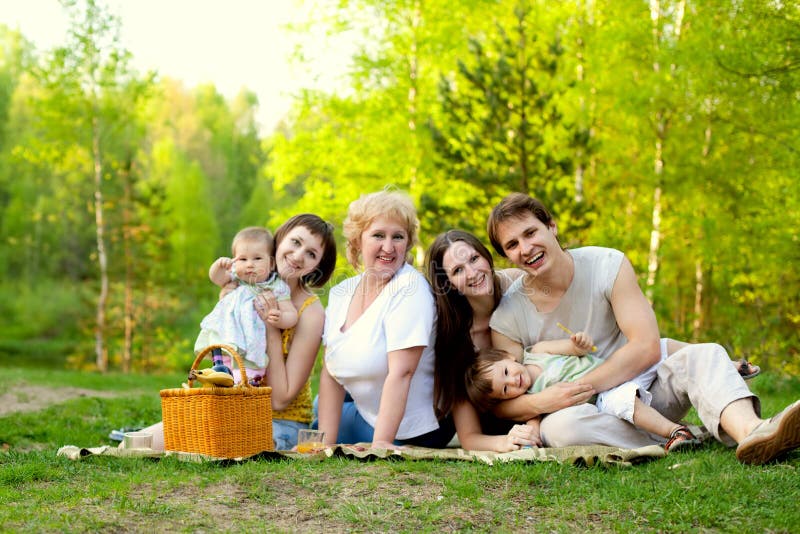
x,y
583,342
267,307
273,316
220,272
535,435
518,437
224,263
269,300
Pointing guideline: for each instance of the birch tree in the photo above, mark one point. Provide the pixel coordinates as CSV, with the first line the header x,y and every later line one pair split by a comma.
x,y
667,20
86,77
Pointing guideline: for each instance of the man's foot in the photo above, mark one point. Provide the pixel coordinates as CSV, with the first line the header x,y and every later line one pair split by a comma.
x,y
681,438
772,437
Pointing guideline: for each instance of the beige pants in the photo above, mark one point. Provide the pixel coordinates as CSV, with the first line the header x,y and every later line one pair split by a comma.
x,y
702,376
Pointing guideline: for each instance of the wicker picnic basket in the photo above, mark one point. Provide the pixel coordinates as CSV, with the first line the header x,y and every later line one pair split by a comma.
x,y
222,422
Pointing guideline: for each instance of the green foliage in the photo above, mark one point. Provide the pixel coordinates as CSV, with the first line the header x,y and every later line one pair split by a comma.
x,y
189,249
503,126
53,325
167,323
457,103
46,318
231,155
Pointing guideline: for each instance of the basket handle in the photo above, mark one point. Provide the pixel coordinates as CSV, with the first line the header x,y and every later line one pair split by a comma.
x,y
227,348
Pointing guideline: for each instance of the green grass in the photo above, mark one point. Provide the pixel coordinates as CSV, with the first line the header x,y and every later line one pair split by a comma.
x,y
704,490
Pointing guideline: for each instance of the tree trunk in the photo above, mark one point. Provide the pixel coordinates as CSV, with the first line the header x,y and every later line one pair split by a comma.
x,y
413,88
658,166
584,15
127,245
521,61
655,232
413,93
101,352
661,126
655,239
697,323
699,278
146,342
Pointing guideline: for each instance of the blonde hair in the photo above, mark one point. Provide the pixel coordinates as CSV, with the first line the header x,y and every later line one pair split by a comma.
x,y
393,205
253,234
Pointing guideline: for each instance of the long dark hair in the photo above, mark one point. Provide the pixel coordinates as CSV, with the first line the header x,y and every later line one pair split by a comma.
x,y
455,351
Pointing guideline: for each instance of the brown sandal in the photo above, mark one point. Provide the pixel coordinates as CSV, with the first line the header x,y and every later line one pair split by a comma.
x,y
747,369
681,438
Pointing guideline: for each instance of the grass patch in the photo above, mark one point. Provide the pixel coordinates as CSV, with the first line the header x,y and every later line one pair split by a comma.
x,y
702,490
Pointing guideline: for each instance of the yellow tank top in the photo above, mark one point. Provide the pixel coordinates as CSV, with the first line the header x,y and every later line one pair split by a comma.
x,y
300,409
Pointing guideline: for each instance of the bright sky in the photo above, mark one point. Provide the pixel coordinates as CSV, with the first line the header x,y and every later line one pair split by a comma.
x,y
230,43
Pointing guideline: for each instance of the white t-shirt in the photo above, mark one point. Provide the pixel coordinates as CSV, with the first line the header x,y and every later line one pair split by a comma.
x,y
402,316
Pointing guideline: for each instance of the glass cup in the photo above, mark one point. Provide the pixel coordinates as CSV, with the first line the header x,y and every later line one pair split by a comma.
x,y
309,441
137,440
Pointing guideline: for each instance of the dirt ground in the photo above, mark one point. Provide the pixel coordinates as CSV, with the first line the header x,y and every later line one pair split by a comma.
x,y
31,398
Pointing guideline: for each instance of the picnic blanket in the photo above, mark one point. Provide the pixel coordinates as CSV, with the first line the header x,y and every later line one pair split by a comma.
x,y
579,455
587,455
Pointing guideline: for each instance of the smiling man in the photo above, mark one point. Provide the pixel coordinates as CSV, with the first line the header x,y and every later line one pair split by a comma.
x,y
595,290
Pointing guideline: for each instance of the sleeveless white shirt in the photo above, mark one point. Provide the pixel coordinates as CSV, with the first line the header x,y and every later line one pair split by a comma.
x,y
585,306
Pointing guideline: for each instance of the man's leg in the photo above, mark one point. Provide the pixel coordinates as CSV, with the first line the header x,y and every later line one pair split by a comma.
x,y
702,376
585,425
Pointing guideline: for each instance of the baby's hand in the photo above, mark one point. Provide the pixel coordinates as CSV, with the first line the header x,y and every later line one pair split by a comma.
x,y
535,436
224,264
266,306
268,299
273,316
582,341
518,437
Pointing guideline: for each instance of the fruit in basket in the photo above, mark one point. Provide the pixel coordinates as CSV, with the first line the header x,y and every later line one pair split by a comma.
x,y
209,377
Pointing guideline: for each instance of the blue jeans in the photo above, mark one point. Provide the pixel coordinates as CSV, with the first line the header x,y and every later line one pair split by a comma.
x,y
284,433
354,429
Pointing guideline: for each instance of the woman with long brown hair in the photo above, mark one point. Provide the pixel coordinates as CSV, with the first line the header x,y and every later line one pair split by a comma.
x,y
467,289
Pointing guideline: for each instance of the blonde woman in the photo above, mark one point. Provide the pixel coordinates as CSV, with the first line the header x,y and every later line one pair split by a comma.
x,y
379,335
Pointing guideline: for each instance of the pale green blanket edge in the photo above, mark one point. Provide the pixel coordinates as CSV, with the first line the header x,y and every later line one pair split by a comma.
x,y
588,455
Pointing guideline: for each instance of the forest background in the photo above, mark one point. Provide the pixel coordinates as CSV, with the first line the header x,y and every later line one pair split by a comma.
x,y
665,128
